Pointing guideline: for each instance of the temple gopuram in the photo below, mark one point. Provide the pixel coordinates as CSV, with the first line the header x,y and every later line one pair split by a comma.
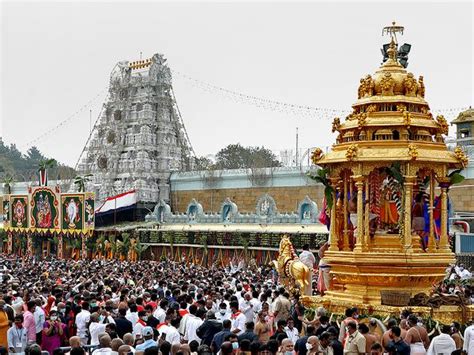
x,y
389,175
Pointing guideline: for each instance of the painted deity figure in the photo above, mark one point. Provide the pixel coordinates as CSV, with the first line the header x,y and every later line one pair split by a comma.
x,y
72,211
44,212
388,212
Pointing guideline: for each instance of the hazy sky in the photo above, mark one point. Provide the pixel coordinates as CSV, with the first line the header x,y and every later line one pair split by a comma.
x,y
56,56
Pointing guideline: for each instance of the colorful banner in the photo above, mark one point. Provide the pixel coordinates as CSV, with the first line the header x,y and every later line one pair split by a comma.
x,y
6,210
19,212
89,216
72,211
44,209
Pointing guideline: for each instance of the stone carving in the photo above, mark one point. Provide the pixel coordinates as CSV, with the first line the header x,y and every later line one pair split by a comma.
x,y
266,206
194,210
133,128
229,210
266,213
308,211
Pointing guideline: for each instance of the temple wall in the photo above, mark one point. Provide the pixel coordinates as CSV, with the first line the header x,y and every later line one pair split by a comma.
x,y
286,198
288,186
462,196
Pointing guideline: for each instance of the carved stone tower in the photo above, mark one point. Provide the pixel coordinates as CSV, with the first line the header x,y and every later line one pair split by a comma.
x,y
140,137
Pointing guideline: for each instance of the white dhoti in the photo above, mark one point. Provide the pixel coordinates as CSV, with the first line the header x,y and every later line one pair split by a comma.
x,y
417,349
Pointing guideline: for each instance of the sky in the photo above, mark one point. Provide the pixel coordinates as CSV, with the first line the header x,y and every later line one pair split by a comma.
x,y
56,59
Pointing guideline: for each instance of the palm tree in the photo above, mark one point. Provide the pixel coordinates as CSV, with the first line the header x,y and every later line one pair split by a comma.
x,y
7,184
43,167
321,177
100,243
140,248
113,245
81,181
125,244
47,164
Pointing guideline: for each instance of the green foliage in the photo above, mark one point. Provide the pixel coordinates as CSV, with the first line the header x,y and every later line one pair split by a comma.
x,y
140,248
455,177
7,182
123,246
203,163
321,177
235,156
47,164
23,167
395,171
81,180
100,243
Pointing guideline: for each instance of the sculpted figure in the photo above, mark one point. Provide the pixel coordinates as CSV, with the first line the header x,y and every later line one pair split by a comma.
x,y
421,87
387,83
369,86
410,85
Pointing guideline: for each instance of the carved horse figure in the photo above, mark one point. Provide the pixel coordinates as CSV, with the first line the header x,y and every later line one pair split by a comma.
x,y
289,266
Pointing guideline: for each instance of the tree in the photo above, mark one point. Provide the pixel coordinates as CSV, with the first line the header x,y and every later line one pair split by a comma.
x,y
34,156
140,248
7,184
203,163
235,156
46,164
81,181
322,177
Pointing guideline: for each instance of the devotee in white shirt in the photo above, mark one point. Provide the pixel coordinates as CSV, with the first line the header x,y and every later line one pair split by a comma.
x,y
443,343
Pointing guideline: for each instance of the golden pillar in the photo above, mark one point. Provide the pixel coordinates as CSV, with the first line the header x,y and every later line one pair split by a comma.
x,y
431,238
409,181
333,238
360,245
443,239
366,215
346,213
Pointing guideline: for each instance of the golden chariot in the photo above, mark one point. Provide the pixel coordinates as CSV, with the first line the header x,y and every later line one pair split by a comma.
x,y
389,155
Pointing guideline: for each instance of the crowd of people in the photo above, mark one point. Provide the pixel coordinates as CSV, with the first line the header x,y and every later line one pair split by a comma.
x,y
112,307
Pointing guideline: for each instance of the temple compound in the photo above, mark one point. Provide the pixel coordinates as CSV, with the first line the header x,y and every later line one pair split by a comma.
x,y
140,138
389,174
